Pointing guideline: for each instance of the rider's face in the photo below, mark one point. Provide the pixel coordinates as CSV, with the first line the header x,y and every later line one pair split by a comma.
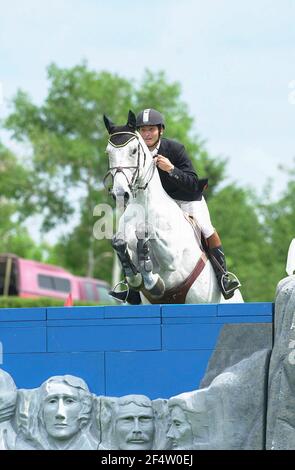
x,y
150,135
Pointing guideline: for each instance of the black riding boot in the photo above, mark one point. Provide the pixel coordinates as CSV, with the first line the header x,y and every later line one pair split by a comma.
x,y
227,282
132,296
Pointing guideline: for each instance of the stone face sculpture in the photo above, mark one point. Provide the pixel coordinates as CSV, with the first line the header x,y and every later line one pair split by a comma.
x,y
61,410
8,395
134,423
62,414
189,421
180,432
128,423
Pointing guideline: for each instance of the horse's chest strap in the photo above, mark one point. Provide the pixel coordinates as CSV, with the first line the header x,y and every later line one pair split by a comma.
x,y
177,294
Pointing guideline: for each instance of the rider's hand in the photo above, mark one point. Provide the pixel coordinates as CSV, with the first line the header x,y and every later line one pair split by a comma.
x,y
163,163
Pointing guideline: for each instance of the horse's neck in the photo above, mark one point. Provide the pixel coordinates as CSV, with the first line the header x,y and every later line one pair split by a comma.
x,y
175,242
154,195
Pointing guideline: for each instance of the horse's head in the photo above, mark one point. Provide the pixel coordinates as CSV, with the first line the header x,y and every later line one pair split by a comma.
x,y
127,154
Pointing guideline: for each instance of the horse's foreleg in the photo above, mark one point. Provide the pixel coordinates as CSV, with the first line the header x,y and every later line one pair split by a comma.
x,y
152,282
131,273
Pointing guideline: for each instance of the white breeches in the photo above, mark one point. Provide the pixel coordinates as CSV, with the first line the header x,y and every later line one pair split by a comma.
x,y
199,210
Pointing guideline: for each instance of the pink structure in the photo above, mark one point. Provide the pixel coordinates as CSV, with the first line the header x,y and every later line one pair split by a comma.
x,y
27,278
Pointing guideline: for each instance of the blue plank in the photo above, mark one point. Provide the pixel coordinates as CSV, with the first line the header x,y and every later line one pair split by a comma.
x,y
69,322
22,314
105,322
133,311
248,309
155,374
190,336
30,370
189,310
189,320
17,340
245,319
104,338
23,324
213,320
78,313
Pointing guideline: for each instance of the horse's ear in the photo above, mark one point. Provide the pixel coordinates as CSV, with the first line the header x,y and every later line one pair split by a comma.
x,y
131,120
109,124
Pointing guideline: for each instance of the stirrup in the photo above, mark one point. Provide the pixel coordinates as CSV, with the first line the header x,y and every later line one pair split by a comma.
x,y
232,282
121,296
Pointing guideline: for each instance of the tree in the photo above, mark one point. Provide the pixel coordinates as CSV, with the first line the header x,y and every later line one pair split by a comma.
x,y
68,141
235,216
278,222
15,182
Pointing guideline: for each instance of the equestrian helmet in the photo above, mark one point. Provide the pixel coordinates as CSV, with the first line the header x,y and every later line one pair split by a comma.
x,y
150,117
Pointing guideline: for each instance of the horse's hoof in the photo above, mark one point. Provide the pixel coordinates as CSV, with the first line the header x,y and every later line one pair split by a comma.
x,y
158,289
136,282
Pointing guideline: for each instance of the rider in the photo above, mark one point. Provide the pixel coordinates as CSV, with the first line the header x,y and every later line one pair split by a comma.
x,y
182,184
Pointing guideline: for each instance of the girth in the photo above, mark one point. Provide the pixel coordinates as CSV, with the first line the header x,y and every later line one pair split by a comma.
x,y
177,295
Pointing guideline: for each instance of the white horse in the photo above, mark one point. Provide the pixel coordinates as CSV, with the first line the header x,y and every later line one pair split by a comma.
x,y
155,242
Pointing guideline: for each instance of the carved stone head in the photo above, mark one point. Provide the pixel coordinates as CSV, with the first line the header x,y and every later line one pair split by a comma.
x,y
134,423
65,406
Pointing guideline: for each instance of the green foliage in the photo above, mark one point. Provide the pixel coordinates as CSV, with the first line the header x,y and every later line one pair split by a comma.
x,y
67,136
278,221
79,251
15,184
12,175
247,254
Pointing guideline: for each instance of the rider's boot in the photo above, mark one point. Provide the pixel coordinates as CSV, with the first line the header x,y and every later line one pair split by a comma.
x,y
227,281
131,296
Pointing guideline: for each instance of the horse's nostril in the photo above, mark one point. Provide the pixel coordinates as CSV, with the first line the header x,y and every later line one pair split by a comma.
x,y
121,196
111,193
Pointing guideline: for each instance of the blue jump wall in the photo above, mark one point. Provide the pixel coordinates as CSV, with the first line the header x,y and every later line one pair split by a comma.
x,y
155,350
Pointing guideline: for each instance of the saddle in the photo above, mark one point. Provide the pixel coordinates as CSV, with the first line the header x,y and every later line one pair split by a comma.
x,y
198,232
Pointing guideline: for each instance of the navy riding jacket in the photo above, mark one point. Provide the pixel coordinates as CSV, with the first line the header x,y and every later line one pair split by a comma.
x,y
183,183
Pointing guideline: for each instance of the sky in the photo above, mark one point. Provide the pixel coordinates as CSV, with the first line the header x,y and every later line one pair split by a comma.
x,y
235,62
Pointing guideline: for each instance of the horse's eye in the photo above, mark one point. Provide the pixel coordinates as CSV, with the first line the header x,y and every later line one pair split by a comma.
x,y
134,151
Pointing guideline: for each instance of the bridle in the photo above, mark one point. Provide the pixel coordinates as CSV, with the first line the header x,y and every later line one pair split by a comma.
x,y
133,183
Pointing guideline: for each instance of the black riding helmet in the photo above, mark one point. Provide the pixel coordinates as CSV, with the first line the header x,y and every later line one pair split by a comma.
x,y
150,117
